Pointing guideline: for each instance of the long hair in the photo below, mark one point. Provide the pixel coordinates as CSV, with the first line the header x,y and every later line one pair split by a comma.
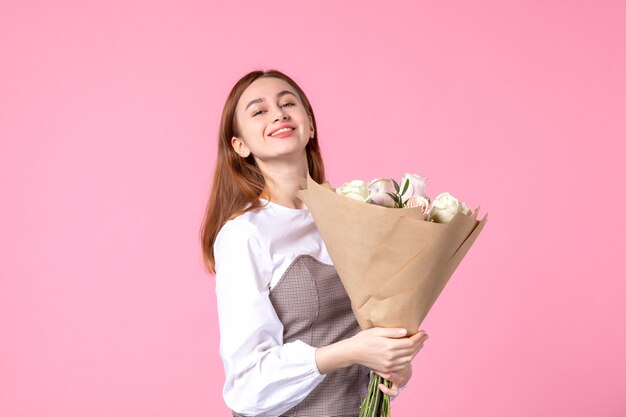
x,y
238,181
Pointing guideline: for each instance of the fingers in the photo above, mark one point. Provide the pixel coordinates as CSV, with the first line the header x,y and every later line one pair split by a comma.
x,y
392,391
388,332
399,378
417,340
385,375
398,332
421,335
388,351
407,353
390,376
413,344
391,367
403,351
413,341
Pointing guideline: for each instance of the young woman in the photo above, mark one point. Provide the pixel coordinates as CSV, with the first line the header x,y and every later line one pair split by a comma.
x,y
288,338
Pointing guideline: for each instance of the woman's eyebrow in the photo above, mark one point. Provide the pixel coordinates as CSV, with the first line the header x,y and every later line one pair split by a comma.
x,y
279,95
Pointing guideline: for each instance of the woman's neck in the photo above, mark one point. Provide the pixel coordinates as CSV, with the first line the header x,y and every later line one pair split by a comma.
x,y
282,183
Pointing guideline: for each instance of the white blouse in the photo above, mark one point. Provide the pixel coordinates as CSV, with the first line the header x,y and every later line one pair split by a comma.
x,y
264,377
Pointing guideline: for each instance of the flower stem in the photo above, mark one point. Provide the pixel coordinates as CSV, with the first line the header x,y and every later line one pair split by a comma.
x,y
376,403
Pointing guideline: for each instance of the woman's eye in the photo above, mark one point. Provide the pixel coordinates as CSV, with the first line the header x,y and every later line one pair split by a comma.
x,y
261,111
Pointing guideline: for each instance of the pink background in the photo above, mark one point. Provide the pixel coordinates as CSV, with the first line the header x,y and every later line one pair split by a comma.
x,y
108,118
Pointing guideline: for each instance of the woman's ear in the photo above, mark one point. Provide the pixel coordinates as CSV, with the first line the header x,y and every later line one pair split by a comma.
x,y
240,147
311,126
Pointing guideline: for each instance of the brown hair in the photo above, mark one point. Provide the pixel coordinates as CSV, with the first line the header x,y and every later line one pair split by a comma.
x,y
238,181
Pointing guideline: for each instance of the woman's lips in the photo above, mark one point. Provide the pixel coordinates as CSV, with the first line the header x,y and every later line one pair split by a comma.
x,y
283,134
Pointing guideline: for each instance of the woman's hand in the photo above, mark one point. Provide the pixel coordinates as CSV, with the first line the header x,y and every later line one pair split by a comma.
x,y
387,350
398,380
383,350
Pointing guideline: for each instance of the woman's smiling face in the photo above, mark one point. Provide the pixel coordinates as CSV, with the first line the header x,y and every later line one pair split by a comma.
x,y
263,108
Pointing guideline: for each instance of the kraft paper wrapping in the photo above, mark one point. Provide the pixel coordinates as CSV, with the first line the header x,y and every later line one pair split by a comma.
x,y
392,263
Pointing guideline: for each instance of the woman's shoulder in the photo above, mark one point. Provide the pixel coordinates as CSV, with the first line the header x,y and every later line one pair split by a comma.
x,y
252,226
265,220
242,227
270,225
239,243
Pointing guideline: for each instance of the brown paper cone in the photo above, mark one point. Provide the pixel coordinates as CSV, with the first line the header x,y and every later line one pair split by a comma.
x,y
392,263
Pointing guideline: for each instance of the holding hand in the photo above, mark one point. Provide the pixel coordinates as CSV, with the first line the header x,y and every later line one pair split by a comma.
x,y
387,350
401,377
398,380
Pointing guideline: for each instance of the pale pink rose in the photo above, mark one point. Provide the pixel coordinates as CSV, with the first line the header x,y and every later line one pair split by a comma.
x,y
417,201
378,189
417,185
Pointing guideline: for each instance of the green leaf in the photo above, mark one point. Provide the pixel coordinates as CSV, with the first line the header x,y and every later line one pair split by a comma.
x,y
406,187
396,186
394,197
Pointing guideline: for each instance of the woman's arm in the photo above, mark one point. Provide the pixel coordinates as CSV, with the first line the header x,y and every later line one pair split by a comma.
x,y
263,375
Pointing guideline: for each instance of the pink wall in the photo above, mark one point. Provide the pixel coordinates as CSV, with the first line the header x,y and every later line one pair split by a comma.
x,y
108,121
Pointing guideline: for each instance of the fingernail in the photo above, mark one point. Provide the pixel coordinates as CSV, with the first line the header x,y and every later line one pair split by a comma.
x,y
402,331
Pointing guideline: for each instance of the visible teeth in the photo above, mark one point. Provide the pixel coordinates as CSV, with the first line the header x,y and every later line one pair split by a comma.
x,y
284,129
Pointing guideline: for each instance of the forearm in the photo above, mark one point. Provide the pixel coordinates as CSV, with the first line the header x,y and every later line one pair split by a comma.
x,y
334,356
380,349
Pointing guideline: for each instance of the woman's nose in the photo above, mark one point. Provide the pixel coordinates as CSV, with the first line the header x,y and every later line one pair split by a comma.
x,y
280,114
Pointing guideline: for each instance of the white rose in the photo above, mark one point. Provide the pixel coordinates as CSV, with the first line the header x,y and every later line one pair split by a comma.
x,y
356,190
417,185
417,201
445,206
378,189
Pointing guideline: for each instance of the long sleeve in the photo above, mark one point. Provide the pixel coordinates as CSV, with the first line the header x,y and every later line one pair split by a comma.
x,y
264,377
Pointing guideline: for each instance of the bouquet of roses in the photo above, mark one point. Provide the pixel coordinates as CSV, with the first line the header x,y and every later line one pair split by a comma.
x,y
394,250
